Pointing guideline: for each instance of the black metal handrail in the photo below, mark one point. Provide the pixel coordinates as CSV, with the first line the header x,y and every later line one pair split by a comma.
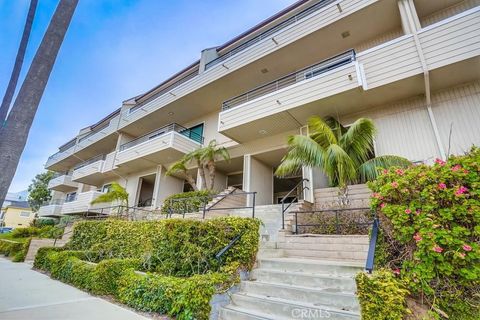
x,y
338,224
284,209
220,254
269,32
223,196
372,246
172,127
292,78
89,161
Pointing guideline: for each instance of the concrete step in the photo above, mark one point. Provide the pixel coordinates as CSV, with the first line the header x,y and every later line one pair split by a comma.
x,y
232,312
277,308
332,267
361,247
327,239
336,283
330,255
326,297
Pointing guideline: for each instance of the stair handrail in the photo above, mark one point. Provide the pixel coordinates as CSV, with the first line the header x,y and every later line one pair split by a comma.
x,y
282,201
369,265
219,255
223,196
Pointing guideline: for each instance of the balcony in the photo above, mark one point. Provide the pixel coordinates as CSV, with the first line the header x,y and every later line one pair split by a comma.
x,y
62,160
161,146
81,203
274,107
90,171
52,208
62,182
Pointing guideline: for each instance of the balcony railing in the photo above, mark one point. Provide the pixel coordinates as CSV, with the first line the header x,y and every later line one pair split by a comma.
x,y
268,33
162,131
89,161
91,133
166,89
292,78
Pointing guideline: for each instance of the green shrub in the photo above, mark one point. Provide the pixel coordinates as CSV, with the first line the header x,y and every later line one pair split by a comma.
x,y
180,247
9,247
185,298
382,296
42,222
42,257
192,201
430,217
108,273
20,255
47,231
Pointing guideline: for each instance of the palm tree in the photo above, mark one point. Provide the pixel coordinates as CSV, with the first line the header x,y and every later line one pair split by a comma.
x,y
205,158
14,133
17,67
343,154
117,193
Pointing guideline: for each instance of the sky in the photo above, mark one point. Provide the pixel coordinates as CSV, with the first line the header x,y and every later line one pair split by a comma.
x,y
113,50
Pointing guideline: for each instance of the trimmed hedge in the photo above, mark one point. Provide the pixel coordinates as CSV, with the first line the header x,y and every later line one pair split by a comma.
x,y
191,201
15,249
177,247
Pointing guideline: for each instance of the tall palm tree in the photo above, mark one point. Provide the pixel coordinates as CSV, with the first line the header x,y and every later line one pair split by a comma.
x,y
17,67
343,154
205,158
14,133
117,193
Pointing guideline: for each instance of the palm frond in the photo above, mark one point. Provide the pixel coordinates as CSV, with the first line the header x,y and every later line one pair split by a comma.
x,y
321,132
358,140
337,128
370,169
177,167
289,167
116,193
339,167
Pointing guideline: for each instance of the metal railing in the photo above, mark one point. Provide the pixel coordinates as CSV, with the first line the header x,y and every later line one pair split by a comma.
x,y
172,127
89,161
269,33
64,149
166,89
220,254
372,245
97,130
289,204
290,79
332,221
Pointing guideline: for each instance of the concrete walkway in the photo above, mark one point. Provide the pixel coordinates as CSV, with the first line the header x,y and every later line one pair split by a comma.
x,y
28,294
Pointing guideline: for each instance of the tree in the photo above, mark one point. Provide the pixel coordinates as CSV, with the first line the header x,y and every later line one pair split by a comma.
x,y
17,67
343,154
38,192
117,193
14,133
204,158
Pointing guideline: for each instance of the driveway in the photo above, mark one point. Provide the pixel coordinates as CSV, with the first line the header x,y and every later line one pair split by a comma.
x,y
28,294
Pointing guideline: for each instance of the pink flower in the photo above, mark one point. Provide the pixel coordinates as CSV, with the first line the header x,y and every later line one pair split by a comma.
x,y
418,211
408,211
440,162
462,255
461,191
466,247
417,237
396,271
394,184
382,205
456,167
376,195
442,186
399,172
438,249
385,171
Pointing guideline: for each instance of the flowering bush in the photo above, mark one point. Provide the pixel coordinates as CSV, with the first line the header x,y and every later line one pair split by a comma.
x,y
430,217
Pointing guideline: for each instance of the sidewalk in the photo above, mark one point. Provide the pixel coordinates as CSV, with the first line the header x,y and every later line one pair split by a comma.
x,y
27,294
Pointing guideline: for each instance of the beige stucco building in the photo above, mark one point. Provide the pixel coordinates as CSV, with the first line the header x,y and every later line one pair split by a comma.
x,y
413,66
16,214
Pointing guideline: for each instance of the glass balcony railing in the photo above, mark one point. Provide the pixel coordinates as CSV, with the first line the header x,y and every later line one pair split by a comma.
x,y
286,81
173,127
268,33
89,161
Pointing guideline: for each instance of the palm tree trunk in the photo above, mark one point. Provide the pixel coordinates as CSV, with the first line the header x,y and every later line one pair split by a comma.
x,y
17,67
191,181
14,134
201,171
211,172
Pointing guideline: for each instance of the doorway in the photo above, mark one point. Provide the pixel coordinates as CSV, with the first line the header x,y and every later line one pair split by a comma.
x,y
145,194
282,187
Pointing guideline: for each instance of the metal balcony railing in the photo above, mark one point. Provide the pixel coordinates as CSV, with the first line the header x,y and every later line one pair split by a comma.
x,y
162,131
292,78
63,149
89,161
91,133
268,33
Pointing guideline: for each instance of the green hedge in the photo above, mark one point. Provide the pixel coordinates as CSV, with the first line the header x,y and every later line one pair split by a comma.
x,y
177,247
192,201
185,298
381,296
15,249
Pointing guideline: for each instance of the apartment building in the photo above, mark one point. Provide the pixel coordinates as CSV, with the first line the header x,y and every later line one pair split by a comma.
x,y
413,66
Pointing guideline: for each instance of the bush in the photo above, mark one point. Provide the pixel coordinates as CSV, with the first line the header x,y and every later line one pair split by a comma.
x,y
173,246
382,296
192,201
43,232
430,216
42,222
9,247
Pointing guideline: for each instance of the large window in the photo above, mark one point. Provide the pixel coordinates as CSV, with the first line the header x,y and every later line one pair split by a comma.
x,y
195,133
25,214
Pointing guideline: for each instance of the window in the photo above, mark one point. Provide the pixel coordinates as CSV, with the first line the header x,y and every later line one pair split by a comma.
x,y
106,188
72,196
25,214
195,133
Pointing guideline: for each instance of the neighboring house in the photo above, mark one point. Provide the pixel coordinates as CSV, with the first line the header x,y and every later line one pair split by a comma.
x,y
413,66
16,214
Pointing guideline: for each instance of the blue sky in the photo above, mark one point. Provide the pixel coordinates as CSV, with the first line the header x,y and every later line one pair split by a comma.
x,y
114,50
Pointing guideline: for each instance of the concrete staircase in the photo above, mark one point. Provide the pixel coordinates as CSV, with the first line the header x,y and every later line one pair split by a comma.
x,y
294,288
358,197
36,244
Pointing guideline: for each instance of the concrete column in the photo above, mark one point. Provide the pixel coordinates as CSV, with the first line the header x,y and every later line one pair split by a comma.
x,y
207,56
165,186
258,177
